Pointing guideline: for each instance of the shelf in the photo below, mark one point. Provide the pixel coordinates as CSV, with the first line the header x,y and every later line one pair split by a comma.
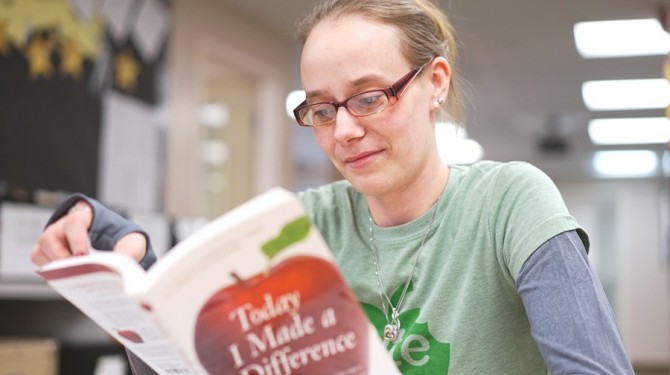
x,y
26,290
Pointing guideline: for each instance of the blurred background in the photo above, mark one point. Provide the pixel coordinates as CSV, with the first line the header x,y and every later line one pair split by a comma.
x,y
173,112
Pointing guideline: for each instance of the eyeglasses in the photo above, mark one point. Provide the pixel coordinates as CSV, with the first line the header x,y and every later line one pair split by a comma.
x,y
363,104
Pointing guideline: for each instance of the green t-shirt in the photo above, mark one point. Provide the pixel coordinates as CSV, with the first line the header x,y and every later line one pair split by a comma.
x,y
462,313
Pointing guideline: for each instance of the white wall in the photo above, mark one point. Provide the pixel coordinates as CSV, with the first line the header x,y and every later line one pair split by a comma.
x,y
208,33
623,220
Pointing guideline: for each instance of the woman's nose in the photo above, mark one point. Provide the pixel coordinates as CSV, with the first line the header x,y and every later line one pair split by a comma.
x,y
347,126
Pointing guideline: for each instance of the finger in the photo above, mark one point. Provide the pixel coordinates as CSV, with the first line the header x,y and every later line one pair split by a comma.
x,y
76,235
59,238
76,225
50,245
37,257
133,244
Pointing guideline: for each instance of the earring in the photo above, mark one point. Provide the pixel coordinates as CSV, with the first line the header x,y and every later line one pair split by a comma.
x,y
439,101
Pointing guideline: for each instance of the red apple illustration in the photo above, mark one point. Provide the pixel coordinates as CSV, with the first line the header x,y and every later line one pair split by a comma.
x,y
298,318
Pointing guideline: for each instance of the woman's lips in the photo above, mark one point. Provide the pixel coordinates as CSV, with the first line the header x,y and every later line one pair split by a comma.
x,y
361,159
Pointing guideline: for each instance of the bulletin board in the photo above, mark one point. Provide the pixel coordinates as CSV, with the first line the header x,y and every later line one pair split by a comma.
x,y
64,64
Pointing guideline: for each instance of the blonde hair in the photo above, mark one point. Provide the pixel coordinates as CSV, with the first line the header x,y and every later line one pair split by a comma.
x,y
425,33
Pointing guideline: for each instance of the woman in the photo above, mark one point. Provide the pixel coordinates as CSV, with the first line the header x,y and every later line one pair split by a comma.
x,y
463,270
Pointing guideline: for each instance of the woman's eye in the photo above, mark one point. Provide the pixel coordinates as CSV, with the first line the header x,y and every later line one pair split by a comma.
x,y
371,99
322,112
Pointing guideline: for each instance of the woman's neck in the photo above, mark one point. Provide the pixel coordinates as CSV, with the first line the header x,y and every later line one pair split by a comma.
x,y
406,204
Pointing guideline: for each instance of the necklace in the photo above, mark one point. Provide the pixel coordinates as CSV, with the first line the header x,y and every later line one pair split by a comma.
x,y
392,328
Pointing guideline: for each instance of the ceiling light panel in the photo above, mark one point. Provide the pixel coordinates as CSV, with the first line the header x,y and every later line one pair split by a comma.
x,y
622,131
625,163
626,94
620,38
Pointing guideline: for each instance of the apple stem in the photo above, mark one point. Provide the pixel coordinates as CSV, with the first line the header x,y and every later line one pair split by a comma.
x,y
237,278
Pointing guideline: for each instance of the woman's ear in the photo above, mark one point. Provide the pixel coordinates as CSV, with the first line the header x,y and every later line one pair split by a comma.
x,y
440,79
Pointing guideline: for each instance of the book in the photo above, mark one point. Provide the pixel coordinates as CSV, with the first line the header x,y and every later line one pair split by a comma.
x,y
255,291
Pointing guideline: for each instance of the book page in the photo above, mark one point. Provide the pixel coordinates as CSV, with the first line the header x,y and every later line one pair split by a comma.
x,y
94,285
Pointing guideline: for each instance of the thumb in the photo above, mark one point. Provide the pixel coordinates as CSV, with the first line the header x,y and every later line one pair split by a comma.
x,y
133,244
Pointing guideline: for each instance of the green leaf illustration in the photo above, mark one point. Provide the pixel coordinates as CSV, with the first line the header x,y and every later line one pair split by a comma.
x,y
415,337
376,316
295,231
416,351
396,295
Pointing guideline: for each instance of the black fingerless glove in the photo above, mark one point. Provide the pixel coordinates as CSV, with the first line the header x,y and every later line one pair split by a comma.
x,y
107,227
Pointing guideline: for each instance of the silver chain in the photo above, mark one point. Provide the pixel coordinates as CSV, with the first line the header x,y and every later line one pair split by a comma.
x,y
392,328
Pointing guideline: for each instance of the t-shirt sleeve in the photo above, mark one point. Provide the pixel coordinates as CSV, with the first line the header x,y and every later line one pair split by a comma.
x,y
107,227
526,210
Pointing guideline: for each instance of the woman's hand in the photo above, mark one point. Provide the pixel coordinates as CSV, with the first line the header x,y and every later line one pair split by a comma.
x,y
132,244
68,236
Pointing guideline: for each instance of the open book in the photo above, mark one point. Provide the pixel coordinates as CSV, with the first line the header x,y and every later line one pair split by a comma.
x,y
255,291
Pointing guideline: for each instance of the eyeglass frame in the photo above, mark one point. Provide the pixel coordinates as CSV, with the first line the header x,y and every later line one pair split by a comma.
x,y
392,91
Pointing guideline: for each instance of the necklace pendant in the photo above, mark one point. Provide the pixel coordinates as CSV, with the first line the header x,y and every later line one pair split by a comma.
x,y
390,332
392,329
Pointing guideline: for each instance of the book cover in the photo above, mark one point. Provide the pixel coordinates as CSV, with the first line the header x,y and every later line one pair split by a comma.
x,y
255,291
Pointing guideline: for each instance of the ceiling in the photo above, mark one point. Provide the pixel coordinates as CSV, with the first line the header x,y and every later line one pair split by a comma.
x,y
522,72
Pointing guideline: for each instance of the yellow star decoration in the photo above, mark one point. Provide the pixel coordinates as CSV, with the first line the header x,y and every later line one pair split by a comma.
x,y
4,43
38,52
71,60
127,68
25,17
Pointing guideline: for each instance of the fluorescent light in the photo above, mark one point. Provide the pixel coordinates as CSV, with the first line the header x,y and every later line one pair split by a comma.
x,y
454,147
462,151
620,38
293,99
213,115
448,131
626,163
621,131
214,152
626,94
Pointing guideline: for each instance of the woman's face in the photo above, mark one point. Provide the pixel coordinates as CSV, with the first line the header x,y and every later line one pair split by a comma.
x,y
387,151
